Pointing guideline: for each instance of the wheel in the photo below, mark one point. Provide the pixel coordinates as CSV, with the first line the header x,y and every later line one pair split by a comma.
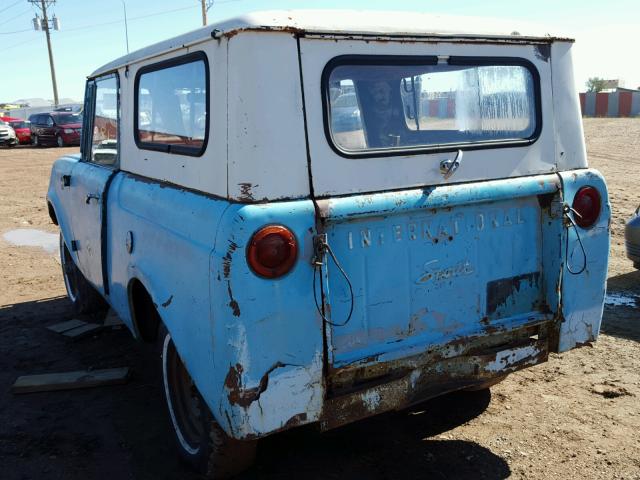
x,y
35,141
60,141
200,440
84,298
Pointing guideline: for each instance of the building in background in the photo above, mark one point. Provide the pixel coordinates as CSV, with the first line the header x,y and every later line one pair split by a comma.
x,y
622,102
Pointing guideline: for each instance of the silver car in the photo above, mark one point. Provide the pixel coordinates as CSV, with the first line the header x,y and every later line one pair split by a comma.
x,y
632,238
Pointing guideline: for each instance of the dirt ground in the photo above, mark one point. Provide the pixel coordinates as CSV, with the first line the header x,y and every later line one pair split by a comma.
x,y
575,417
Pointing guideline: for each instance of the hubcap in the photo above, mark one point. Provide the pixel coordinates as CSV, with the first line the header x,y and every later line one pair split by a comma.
x,y
60,142
184,401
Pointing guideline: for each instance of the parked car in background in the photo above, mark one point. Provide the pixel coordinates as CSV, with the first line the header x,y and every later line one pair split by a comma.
x,y
632,238
7,135
23,131
56,128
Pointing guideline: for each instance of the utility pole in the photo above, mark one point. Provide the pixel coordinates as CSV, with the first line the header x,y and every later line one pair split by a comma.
x,y
42,5
206,5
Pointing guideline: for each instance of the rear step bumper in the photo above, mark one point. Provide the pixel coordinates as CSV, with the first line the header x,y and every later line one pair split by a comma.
x,y
461,364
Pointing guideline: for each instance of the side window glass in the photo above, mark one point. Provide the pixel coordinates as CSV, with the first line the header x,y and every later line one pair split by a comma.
x,y
49,121
104,141
172,106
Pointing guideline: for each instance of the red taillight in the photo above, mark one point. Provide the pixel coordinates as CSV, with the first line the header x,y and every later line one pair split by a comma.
x,y
587,204
272,251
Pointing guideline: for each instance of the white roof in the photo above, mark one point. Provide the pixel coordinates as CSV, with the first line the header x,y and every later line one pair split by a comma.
x,y
356,22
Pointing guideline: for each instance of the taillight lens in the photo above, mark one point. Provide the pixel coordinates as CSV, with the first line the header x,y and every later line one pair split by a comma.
x,y
272,251
587,204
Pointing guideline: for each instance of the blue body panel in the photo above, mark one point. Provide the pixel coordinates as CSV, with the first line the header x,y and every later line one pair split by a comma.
x,y
432,266
583,295
59,197
433,270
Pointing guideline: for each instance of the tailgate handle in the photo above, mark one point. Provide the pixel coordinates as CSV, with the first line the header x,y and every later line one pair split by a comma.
x,y
449,167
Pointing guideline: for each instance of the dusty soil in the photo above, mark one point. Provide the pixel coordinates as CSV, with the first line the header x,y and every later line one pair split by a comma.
x,y
577,416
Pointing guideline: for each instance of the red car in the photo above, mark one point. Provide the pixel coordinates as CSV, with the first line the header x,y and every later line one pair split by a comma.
x,y
22,129
56,128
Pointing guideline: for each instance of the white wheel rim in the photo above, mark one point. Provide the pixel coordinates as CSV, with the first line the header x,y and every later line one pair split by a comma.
x,y
183,442
63,261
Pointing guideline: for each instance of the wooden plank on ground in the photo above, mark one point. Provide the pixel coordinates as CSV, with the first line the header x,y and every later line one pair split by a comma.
x,y
82,330
50,382
64,326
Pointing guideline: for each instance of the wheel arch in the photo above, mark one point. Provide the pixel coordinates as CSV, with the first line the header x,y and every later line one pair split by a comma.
x,y
144,313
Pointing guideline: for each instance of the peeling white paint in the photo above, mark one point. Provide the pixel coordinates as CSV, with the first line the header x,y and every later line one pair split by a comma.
x,y
507,358
292,390
371,400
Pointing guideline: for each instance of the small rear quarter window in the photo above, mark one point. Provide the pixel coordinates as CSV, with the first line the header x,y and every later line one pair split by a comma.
x,y
172,105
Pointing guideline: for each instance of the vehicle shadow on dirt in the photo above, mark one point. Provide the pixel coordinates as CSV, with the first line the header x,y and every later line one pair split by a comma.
x,y
123,431
623,320
395,445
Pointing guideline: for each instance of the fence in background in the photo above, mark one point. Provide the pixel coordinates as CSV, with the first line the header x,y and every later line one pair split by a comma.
x,y
613,104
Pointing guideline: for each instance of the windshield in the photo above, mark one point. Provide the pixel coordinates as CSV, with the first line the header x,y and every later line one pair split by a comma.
x,y
3,124
23,124
68,119
414,105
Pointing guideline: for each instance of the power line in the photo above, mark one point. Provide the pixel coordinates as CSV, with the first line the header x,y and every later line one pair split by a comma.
x,y
139,17
19,44
17,31
12,5
13,18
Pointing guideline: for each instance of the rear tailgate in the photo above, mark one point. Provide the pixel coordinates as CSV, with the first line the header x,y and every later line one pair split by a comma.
x,y
430,267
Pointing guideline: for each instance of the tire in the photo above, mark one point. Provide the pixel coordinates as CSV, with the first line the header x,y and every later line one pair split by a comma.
x,y
60,141
35,141
200,440
83,297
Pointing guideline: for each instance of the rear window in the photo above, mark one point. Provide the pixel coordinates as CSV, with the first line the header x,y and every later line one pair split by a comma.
x,y
172,105
386,104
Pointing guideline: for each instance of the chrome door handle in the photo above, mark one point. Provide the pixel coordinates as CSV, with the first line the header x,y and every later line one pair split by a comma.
x,y
92,196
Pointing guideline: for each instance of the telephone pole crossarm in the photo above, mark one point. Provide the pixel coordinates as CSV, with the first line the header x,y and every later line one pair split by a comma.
x,y
42,5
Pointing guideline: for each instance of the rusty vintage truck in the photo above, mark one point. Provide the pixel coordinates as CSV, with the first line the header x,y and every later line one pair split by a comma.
x,y
321,216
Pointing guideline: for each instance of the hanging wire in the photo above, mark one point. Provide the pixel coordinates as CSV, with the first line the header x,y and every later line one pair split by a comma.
x,y
565,210
322,248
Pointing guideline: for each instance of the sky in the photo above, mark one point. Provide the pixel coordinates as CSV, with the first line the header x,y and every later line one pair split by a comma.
x,y
92,33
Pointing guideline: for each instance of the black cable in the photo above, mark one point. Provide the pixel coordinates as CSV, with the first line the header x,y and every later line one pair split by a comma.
x,y
324,247
566,211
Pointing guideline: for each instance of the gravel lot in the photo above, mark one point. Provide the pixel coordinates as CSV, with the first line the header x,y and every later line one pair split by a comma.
x,y
577,416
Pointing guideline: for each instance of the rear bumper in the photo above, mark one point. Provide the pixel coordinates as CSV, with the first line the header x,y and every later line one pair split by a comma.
x,y
461,364
8,141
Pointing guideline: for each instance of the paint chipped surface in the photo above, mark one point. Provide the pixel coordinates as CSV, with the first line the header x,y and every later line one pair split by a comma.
x,y
507,358
291,395
371,400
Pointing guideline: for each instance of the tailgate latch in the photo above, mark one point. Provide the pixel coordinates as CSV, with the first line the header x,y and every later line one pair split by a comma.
x,y
448,167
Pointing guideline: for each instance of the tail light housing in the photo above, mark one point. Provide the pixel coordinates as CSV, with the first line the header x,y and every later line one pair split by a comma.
x,y
272,251
587,205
